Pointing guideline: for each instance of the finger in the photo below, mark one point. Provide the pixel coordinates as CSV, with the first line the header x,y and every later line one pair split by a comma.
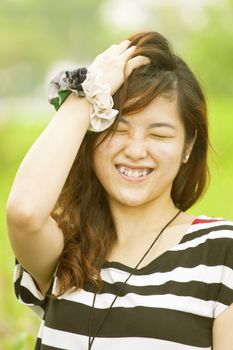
x,y
128,52
136,62
119,48
110,48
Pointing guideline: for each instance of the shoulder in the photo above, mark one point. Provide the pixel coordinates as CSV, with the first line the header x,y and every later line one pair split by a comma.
x,y
212,238
208,228
216,232
211,223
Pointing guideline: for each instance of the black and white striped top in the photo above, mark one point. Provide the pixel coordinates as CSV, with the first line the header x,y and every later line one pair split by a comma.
x,y
170,304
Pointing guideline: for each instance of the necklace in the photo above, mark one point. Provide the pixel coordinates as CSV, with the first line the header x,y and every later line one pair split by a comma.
x,y
91,340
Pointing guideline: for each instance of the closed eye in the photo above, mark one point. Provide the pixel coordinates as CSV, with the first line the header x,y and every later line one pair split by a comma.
x,y
121,131
161,136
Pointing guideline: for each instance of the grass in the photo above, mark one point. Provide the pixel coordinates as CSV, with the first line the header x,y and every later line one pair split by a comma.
x,y
18,325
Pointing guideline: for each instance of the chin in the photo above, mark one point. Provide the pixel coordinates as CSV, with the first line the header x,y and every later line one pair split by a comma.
x,y
132,201
133,198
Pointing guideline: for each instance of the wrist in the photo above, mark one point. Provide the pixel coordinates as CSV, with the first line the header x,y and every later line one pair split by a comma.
x,y
75,102
75,85
77,106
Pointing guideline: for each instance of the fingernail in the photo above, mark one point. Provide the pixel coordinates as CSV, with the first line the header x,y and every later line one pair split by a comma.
x,y
147,59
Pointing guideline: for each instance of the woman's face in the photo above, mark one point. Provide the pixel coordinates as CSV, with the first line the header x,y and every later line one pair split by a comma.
x,y
139,162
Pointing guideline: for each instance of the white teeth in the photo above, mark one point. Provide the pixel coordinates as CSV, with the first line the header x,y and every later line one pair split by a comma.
x,y
133,173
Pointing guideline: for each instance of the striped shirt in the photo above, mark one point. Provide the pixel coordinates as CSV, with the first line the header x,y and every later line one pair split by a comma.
x,y
169,304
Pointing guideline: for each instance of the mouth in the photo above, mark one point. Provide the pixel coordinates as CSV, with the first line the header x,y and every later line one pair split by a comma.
x,y
134,173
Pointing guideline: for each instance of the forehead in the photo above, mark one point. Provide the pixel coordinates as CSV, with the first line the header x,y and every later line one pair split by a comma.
x,y
162,111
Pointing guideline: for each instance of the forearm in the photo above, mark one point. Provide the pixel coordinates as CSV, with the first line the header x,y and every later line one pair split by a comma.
x,y
43,172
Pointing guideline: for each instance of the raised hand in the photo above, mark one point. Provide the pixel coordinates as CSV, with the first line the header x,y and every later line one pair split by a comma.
x,y
112,62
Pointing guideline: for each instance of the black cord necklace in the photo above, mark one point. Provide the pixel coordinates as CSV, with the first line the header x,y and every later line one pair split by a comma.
x,y
90,340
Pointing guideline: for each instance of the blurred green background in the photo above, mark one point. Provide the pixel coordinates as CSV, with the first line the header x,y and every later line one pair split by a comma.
x,y
38,38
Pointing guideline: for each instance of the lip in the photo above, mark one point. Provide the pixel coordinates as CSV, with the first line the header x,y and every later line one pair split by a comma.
x,y
134,179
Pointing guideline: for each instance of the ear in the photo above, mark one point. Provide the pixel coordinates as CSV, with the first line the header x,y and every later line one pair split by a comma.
x,y
188,148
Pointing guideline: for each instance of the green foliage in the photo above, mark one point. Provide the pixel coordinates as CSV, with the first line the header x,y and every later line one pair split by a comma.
x,y
24,341
36,34
218,198
18,326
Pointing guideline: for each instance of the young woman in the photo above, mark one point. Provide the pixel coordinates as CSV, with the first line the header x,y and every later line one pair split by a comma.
x,y
106,254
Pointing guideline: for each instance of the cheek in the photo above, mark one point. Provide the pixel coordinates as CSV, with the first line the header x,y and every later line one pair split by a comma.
x,y
104,154
109,147
168,152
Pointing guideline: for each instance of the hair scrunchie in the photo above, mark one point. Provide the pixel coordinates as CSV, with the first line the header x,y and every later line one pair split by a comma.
x,y
87,84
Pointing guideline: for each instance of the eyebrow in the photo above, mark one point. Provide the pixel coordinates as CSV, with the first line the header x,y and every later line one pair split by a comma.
x,y
152,125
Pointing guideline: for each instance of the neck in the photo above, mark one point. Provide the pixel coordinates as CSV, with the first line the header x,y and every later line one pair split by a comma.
x,y
131,221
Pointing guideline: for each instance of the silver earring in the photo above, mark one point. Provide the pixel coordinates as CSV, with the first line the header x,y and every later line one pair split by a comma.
x,y
186,157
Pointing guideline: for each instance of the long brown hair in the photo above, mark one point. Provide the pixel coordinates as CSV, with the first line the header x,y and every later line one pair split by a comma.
x,y
82,210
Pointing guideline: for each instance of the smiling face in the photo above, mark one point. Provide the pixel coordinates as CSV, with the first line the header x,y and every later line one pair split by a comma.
x,y
139,162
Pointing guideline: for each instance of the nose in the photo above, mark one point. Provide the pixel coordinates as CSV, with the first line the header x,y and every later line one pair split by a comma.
x,y
135,148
